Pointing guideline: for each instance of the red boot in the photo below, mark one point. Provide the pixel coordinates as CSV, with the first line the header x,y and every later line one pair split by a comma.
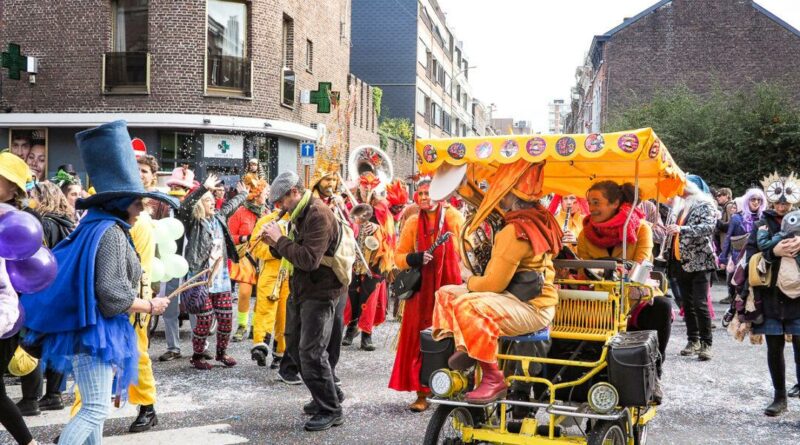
x,y
492,388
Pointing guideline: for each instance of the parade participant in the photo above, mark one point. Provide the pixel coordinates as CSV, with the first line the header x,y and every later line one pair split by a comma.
x,y
69,333
572,225
692,260
397,197
724,198
315,290
781,313
739,227
269,316
207,240
438,269
610,205
70,186
653,216
253,175
148,171
516,295
244,272
181,181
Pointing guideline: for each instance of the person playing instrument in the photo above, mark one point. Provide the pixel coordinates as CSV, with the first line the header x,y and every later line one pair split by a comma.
x,y
610,204
569,211
438,269
516,295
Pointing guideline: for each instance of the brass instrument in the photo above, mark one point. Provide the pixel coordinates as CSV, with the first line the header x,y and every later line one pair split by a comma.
x,y
666,244
368,244
283,274
565,229
476,249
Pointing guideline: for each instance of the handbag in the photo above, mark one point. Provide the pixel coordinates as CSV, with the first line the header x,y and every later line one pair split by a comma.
x,y
195,299
738,242
759,271
526,285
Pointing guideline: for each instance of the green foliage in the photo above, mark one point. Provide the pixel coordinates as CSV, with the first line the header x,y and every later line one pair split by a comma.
x,y
730,138
400,128
377,95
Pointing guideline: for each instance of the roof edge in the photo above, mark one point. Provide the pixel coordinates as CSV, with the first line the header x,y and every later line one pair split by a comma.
x,y
775,18
636,18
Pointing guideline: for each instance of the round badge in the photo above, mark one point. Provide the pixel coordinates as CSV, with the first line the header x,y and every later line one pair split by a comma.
x,y
429,152
484,150
565,146
594,143
654,149
457,150
628,143
509,149
535,146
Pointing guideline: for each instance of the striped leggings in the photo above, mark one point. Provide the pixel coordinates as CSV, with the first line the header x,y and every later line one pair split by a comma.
x,y
218,305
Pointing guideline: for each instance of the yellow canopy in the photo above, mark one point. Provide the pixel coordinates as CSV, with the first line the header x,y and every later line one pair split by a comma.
x,y
572,162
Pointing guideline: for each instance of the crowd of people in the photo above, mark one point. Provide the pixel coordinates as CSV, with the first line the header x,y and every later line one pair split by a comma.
x,y
320,262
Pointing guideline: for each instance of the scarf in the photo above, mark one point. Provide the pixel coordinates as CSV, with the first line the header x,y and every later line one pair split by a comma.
x,y
285,264
538,227
443,269
609,234
257,210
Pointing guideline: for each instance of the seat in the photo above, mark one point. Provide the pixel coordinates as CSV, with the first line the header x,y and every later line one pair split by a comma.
x,y
540,335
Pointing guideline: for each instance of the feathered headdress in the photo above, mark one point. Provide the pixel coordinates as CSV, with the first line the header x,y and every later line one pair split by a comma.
x,y
397,193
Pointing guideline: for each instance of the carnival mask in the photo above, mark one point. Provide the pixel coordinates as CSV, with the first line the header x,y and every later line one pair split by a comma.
x,y
783,189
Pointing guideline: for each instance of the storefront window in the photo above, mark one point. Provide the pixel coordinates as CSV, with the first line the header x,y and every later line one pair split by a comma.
x,y
177,149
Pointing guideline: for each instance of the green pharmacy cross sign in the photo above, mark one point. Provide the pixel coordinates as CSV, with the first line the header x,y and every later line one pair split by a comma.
x,y
14,61
322,97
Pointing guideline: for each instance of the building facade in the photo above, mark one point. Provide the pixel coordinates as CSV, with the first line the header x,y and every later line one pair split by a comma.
x,y
406,48
700,44
507,125
557,111
209,83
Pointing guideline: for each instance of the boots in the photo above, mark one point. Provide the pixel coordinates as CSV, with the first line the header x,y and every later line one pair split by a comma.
x,y
492,388
350,333
366,342
421,404
778,405
145,420
260,354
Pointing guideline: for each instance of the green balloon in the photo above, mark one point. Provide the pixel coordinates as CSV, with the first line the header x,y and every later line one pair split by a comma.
x,y
176,266
173,227
166,248
157,271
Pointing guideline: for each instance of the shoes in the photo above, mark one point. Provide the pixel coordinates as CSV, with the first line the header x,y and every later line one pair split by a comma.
x,y
794,392
366,342
726,300
29,407
276,361
350,334
292,379
226,360
199,362
260,354
322,422
460,361
691,348
421,404
704,354
337,381
145,420
777,407
241,331
492,387
312,408
169,356
51,402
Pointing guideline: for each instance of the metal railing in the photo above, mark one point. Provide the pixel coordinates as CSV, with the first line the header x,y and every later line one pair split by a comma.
x,y
126,72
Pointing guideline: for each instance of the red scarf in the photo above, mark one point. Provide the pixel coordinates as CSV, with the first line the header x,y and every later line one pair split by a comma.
x,y
539,227
609,234
443,269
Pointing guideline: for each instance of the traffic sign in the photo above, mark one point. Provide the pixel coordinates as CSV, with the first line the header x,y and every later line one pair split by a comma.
x,y
307,150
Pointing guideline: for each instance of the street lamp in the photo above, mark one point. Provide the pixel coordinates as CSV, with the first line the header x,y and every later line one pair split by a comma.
x,y
455,76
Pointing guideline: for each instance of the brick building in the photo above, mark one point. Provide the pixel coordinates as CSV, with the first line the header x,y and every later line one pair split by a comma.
x,y
210,82
733,43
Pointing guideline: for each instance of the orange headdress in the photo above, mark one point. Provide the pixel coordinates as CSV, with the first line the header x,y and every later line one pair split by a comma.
x,y
521,178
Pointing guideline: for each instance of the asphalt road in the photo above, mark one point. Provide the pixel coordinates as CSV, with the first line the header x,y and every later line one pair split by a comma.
x,y
716,402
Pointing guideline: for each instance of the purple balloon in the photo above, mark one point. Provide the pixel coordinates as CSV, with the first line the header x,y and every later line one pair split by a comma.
x,y
33,274
20,235
17,324
5,208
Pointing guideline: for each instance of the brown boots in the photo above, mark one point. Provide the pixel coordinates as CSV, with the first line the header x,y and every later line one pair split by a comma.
x,y
421,404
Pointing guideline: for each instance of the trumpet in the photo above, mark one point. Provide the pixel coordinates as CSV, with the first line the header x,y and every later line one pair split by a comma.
x,y
661,259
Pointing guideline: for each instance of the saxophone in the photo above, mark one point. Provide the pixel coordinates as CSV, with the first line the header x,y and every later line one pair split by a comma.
x,y
283,274
368,244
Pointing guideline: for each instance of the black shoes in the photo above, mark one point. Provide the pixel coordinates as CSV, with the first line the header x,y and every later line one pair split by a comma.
x,y
169,356
777,407
795,391
51,402
322,422
366,342
260,354
290,379
276,361
29,407
350,334
145,420
312,408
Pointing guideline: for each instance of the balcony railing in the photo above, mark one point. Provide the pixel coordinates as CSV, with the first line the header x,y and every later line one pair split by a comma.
x,y
229,73
126,72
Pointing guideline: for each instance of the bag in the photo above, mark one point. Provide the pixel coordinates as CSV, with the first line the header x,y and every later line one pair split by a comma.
x,y
526,285
434,354
789,277
759,271
632,363
738,242
194,300
344,255
738,277
406,283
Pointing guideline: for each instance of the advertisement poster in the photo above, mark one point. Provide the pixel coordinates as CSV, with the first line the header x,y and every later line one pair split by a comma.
x,y
31,145
224,146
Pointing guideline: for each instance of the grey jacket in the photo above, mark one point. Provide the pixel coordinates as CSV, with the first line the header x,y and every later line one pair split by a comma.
x,y
199,233
697,252
117,272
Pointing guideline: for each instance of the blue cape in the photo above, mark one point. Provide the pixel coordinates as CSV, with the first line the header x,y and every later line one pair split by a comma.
x,y
65,320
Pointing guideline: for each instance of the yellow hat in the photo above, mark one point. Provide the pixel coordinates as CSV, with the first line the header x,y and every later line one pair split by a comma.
x,y
22,363
13,168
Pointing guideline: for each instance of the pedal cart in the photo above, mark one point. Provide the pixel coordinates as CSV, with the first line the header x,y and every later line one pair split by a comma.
x,y
590,381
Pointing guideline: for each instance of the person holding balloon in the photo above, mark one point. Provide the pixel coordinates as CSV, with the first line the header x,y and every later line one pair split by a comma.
x,y
86,330
207,240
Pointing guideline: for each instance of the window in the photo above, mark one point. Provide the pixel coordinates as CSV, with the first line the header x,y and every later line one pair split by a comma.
x,y
309,56
428,64
177,149
228,66
288,76
422,53
436,113
428,107
434,67
446,122
127,65
446,84
422,100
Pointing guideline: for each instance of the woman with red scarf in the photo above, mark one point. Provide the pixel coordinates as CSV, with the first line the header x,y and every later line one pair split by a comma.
x,y
610,204
438,269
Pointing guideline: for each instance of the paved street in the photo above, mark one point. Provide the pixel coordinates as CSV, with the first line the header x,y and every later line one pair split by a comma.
x,y
717,402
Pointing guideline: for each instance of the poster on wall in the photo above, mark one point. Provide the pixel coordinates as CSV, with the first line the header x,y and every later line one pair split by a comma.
x,y
224,146
31,145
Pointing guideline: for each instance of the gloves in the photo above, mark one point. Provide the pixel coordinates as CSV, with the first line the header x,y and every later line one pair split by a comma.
x,y
415,259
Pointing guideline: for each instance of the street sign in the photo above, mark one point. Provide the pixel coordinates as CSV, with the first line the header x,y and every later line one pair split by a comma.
x,y
307,149
306,161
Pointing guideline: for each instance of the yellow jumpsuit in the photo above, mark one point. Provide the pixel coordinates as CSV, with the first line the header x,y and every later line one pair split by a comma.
x,y
144,392
269,316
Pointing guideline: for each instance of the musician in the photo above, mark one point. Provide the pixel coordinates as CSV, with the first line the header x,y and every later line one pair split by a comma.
x,y
610,204
516,295
438,269
569,211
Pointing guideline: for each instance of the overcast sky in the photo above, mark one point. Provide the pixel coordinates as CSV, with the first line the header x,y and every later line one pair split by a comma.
x,y
526,51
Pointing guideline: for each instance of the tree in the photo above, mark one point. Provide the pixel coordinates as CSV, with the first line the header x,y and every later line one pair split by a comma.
x,y
399,128
730,138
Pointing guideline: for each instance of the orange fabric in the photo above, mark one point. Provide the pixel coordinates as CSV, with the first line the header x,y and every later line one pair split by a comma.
x,y
256,187
638,252
408,236
575,221
240,224
538,227
520,178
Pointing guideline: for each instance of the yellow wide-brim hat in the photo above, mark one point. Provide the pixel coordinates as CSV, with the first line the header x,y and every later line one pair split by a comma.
x,y
22,363
13,168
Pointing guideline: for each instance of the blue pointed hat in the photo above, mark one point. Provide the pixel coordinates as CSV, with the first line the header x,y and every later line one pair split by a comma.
x,y
111,163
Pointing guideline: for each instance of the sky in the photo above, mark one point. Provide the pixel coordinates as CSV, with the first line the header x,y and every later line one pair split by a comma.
x,y
526,51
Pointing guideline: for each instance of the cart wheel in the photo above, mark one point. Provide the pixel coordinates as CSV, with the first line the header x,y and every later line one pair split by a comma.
x,y
607,432
640,434
443,428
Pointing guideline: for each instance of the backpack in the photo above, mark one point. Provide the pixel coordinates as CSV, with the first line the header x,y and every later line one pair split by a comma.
x,y
344,255
789,277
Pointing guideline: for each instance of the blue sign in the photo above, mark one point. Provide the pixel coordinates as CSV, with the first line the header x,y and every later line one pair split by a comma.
x,y
307,150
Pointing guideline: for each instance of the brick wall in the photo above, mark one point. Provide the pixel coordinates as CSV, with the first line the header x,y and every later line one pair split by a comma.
x,y
402,156
700,43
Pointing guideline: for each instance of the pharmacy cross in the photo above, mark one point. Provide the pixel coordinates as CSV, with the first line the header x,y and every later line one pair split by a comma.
x,y
14,61
322,97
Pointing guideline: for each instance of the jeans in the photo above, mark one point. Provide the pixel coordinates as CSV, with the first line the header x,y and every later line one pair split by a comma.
x,y
94,378
694,292
170,318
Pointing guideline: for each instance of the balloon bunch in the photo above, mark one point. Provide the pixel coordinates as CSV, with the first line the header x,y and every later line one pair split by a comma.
x,y
29,265
168,264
